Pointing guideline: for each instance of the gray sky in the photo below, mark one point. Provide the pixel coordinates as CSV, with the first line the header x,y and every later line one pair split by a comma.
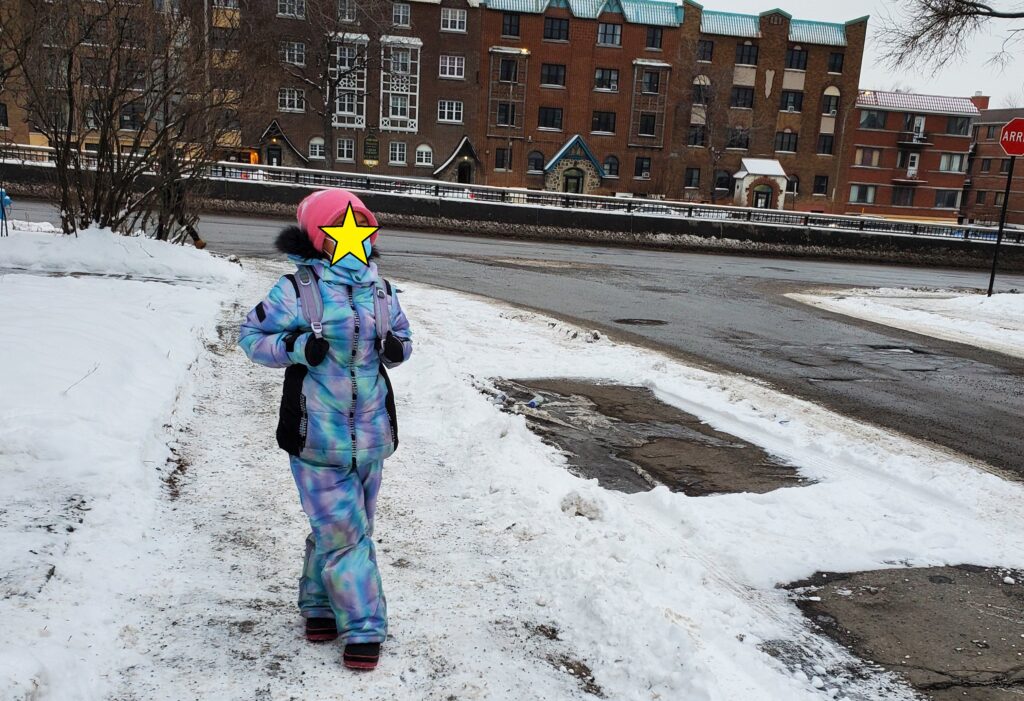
x,y
956,79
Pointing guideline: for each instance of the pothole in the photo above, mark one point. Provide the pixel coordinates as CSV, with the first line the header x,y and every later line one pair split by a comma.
x,y
951,632
631,441
640,322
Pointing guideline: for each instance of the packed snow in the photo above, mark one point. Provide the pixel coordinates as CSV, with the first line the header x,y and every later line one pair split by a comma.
x,y
507,576
995,323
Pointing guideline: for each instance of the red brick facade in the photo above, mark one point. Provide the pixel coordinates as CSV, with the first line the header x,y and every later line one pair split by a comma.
x,y
988,171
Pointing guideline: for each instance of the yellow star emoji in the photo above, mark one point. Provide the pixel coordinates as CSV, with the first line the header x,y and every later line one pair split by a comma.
x,y
347,238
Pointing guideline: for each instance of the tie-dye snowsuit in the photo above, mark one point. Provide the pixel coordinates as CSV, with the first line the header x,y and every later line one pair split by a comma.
x,y
338,424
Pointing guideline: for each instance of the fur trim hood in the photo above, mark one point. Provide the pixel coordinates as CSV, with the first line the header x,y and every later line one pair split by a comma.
x,y
293,241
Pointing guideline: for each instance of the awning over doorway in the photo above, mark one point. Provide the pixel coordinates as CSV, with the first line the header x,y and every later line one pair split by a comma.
x,y
574,149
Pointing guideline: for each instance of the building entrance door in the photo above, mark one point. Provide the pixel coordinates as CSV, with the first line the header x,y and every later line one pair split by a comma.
x,y
465,173
763,197
572,181
274,155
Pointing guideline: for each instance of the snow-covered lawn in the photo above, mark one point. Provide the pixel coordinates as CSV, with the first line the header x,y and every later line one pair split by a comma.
x,y
504,572
995,323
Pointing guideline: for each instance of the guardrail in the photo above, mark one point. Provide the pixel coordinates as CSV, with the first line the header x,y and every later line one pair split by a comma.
x,y
421,187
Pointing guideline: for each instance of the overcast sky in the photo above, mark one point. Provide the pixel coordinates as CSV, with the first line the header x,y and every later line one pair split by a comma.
x,y
964,78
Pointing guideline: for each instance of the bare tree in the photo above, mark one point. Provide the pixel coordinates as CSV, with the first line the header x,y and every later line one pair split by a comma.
x,y
340,47
935,32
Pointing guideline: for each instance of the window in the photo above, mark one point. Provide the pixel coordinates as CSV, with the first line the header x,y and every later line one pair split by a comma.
x,y
345,57
535,162
550,118
293,52
792,101
999,199
692,177
606,79
695,137
742,97
724,180
642,167
3,115
947,199
400,60
1004,165
347,150
738,137
746,54
651,82
986,165
793,184
556,29
552,74
506,114
316,149
821,185
346,10
835,62
870,119
401,14
611,167
508,70
903,196
958,126
796,58
705,49
453,20
868,157
424,155
862,194
603,122
291,8
291,100
510,25
398,106
701,90
449,111
132,117
830,104
396,153
346,104
980,196
785,141
609,34
654,37
231,4
990,132
453,66
952,162
826,144
502,159
647,124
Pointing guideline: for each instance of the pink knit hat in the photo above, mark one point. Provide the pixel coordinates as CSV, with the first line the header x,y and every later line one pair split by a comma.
x,y
327,208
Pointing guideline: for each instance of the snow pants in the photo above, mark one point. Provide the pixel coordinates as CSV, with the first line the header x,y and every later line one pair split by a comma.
x,y
340,578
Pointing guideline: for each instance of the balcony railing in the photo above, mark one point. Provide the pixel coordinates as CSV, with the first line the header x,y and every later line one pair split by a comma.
x,y
914,138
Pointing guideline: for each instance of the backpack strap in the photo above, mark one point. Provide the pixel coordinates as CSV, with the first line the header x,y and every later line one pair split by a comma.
x,y
310,299
382,308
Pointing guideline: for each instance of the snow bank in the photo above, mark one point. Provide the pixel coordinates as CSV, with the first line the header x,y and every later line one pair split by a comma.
x,y
995,323
39,247
92,368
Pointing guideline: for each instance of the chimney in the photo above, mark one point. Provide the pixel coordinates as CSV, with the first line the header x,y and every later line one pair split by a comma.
x,y
980,101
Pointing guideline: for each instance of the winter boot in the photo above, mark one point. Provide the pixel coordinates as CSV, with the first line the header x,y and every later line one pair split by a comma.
x,y
361,656
321,630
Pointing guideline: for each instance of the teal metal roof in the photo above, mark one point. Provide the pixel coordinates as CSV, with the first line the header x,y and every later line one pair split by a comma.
x,y
526,6
587,9
654,12
575,149
730,24
804,31
661,14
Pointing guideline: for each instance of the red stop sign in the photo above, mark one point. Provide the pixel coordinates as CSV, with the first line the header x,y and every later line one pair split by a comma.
x,y
1012,138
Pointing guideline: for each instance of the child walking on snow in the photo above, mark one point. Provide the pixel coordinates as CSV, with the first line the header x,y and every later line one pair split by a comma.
x,y
337,419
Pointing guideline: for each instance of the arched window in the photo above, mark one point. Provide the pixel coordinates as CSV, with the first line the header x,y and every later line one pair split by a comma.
x,y
793,185
535,162
424,155
830,101
701,89
316,149
611,167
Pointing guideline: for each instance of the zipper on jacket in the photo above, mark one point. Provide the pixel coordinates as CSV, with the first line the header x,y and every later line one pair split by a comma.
x,y
352,373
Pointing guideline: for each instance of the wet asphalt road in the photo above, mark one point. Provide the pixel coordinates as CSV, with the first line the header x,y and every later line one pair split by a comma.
x,y
728,312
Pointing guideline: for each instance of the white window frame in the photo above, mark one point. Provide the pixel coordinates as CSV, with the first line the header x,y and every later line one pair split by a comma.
x,y
347,11
450,111
398,106
291,100
346,150
317,149
295,9
453,20
293,53
402,65
401,14
944,162
870,189
452,67
398,152
421,150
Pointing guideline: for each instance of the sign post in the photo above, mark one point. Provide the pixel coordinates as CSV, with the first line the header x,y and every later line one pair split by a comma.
x,y
1012,141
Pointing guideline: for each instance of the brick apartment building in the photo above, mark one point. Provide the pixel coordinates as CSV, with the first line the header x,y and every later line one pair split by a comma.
x,y
907,155
987,171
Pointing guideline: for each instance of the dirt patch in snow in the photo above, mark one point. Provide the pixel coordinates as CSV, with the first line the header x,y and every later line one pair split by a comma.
x,y
952,632
631,441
